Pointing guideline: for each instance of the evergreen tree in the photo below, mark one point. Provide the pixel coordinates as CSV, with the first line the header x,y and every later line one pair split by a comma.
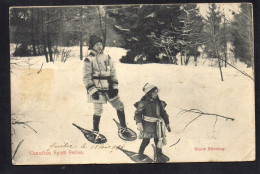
x,y
191,35
21,20
212,33
242,28
137,23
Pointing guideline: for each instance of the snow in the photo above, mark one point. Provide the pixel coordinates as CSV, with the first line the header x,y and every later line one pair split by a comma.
x,y
226,8
152,15
120,28
55,98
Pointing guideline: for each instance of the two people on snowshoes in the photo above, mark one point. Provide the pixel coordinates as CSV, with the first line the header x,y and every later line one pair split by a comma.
x,y
152,121
100,79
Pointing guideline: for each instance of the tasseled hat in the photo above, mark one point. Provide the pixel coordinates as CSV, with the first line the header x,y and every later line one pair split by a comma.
x,y
148,88
93,39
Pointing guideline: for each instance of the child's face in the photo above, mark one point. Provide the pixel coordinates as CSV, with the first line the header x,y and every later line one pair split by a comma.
x,y
154,94
98,47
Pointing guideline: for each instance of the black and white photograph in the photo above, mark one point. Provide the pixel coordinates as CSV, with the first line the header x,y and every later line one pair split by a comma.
x,y
140,83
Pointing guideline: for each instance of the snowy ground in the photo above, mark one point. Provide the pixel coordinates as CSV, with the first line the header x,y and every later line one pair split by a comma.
x,y
55,98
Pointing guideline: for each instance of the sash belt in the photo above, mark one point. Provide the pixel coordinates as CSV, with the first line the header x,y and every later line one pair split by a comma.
x,y
160,129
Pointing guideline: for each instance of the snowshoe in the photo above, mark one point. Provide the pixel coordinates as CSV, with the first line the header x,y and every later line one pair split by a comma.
x,y
92,136
164,157
136,157
159,157
126,134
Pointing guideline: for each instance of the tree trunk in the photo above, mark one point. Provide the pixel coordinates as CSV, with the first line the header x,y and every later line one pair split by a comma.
x,y
225,42
168,55
43,39
48,36
32,33
105,30
181,59
81,35
187,60
185,57
195,53
213,36
61,35
216,50
195,59
37,32
101,27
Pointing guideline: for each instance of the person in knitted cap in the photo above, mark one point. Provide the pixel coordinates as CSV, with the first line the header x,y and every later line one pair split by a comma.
x,y
99,77
152,121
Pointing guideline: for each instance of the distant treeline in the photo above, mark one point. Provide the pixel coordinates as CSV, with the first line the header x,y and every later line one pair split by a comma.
x,y
150,33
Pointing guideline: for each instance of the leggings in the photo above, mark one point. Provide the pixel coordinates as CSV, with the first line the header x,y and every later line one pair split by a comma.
x,y
145,143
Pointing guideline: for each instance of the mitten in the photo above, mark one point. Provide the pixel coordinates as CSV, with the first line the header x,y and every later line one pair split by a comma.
x,y
112,93
95,96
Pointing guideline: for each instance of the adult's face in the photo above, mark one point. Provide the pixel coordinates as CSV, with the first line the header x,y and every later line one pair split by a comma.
x,y
98,47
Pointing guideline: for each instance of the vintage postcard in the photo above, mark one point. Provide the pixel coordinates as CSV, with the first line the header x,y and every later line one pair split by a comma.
x,y
109,84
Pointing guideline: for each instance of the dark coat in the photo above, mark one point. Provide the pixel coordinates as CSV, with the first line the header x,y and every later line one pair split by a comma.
x,y
150,108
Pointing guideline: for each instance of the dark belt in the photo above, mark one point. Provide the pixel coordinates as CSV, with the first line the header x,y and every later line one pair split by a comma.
x,y
104,78
101,78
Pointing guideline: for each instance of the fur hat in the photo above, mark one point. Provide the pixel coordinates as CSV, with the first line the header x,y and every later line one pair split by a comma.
x,y
93,39
148,88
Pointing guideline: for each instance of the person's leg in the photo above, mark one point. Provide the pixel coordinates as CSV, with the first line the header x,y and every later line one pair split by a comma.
x,y
98,109
119,106
158,150
143,145
156,141
160,157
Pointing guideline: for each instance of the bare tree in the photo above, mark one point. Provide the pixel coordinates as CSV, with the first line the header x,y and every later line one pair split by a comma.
x,y
32,32
81,34
164,43
49,43
224,36
43,36
103,24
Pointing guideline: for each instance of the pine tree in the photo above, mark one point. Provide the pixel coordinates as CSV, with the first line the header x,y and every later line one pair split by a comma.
x,y
242,28
137,23
212,34
190,37
212,30
22,31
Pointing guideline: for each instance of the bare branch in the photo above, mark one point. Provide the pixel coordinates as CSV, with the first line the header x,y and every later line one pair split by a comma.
x,y
24,123
214,127
13,130
190,110
40,68
203,113
242,72
176,142
190,123
200,113
17,148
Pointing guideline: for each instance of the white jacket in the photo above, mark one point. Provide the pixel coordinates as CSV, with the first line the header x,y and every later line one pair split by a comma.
x,y
99,73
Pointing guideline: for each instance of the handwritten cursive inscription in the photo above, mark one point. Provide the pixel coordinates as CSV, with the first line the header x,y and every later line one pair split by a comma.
x,y
64,145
